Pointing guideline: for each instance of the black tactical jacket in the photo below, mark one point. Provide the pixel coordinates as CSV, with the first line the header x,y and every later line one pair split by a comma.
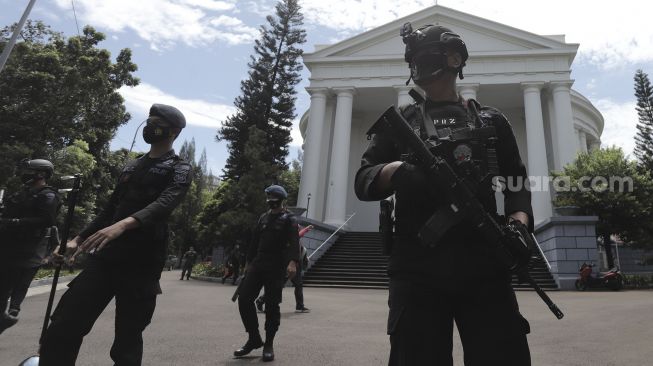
x,y
461,254
24,243
147,190
189,258
275,242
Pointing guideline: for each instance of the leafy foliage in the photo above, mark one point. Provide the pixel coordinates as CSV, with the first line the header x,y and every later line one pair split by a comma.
x,y
644,136
268,95
183,223
290,179
626,212
60,96
235,206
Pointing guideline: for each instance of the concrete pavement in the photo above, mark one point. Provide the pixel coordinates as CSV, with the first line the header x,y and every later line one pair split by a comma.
x,y
196,324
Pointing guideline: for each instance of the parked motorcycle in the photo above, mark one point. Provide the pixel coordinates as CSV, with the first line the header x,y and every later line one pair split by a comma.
x,y
613,279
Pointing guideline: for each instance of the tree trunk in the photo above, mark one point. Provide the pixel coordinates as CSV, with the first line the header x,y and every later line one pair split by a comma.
x,y
607,245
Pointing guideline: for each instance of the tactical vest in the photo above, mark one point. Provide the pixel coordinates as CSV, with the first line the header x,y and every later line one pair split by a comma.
x,y
460,136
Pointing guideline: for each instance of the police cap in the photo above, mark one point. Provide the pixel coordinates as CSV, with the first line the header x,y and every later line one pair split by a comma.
x,y
276,191
168,113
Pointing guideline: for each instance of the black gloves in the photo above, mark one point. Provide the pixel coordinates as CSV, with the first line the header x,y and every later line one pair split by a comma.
x,y
409,178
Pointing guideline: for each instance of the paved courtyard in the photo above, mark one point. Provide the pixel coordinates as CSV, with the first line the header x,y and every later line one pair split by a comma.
x,y
196,324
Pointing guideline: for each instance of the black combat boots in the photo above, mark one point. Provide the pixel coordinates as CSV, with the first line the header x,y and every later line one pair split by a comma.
x,y
253,343
268,350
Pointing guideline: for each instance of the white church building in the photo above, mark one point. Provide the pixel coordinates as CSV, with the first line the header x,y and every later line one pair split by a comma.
x,y
525,75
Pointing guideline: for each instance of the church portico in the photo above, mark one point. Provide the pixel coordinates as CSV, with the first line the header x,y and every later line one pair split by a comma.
x,y
526,76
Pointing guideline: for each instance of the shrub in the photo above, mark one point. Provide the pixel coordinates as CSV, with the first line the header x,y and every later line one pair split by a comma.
x,y
206,269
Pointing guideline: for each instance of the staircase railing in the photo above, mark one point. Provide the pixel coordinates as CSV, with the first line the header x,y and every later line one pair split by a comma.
x,y
537,244
331,236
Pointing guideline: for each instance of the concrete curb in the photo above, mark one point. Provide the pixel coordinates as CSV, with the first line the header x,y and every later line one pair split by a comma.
x,y
48,281
207,278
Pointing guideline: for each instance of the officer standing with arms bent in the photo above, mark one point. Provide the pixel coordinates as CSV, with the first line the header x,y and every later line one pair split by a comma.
x,y
457,279
127,244
272,255
188,259
25,231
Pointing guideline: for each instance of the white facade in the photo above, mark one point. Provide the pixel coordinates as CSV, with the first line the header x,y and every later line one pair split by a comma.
x,y
526,76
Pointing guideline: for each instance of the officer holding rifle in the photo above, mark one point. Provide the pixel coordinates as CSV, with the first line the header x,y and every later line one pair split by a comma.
x,y
441,268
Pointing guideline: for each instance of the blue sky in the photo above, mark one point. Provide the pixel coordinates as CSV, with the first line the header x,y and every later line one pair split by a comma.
x,y
193,53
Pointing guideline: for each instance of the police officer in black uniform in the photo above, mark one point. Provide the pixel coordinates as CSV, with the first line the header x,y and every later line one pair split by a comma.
x,y
25,230
272,255
457,280
189,259
127,244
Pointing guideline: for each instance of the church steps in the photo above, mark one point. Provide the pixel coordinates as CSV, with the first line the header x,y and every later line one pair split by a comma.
x,y
356,260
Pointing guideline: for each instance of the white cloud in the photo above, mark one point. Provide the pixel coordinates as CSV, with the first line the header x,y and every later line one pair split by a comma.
x,y
296,135
164,23
620,124
201,113
610,35
211,4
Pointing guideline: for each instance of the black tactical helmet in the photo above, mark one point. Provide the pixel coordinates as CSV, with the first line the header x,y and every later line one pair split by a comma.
x,y
39,165
426,50
168,113
276,191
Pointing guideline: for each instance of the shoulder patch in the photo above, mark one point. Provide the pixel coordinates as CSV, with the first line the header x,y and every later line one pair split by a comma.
x,y
182,173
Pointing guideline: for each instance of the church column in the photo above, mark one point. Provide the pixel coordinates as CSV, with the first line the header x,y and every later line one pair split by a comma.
x,y
468,91
595,145
337,187
312,148
582,140
564,120
403,98
535,143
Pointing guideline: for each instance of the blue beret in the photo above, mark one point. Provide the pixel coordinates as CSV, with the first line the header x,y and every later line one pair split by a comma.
x,y
275,190
169,113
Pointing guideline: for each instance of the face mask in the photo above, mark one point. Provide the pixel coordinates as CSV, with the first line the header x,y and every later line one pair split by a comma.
x,y
153,134
27,178
274,204
427,65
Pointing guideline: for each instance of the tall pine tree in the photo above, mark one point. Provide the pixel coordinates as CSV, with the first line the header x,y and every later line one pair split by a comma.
x,y
644,136
268,95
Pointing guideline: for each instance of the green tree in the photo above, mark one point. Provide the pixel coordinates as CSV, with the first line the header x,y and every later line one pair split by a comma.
x,y
54,91
289,179
268,94
644,136
185,222
236,205
71,160
623,209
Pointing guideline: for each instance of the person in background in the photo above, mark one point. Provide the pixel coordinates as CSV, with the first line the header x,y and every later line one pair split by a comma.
x,y
188,260
25,230
272,255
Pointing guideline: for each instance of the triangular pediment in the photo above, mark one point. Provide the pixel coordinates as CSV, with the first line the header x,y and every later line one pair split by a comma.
x,y
481,35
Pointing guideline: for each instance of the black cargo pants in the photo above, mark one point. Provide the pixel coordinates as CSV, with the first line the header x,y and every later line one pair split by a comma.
x,y
84,301
14,283
421,319
272,282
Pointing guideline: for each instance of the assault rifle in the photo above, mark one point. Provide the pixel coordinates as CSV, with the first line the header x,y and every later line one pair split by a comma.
x,y
510,243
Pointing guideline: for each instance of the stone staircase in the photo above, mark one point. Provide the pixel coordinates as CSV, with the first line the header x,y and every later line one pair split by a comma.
x,y
356,260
